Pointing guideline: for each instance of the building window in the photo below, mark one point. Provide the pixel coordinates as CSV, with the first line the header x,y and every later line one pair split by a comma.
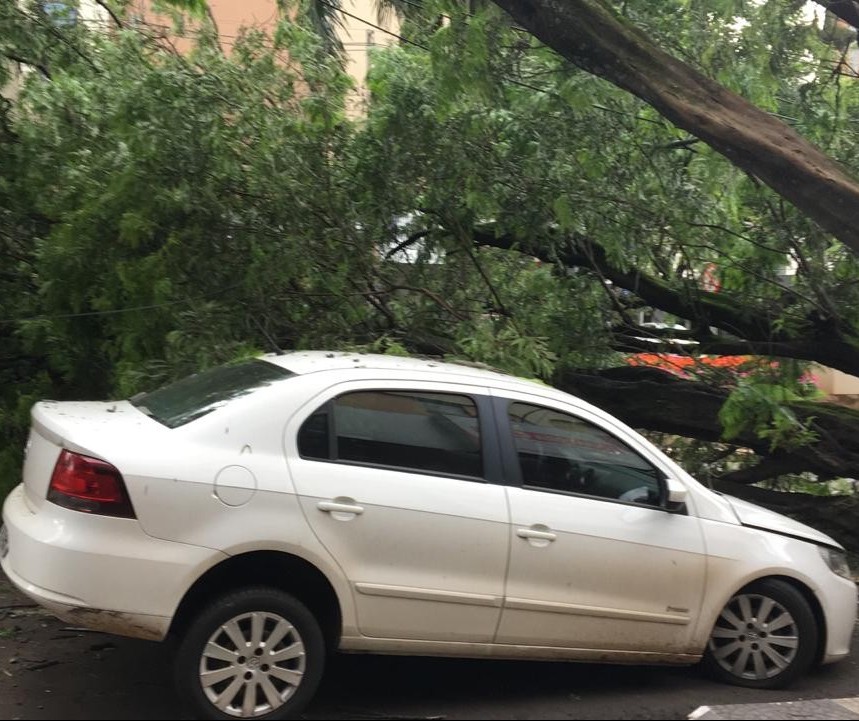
x,y
61,14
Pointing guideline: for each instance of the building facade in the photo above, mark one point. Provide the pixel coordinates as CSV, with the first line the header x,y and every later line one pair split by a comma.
x,y
360,32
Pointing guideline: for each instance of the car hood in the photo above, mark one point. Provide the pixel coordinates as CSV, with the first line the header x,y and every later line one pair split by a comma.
x,y
751,515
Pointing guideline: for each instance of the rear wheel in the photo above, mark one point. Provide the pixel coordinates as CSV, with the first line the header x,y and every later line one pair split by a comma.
x,y
256,653
765,637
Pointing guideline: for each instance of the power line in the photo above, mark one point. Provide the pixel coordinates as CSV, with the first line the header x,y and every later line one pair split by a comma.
x,y
85,314
423,47
369,23
225,38
117,311
467,14
373,25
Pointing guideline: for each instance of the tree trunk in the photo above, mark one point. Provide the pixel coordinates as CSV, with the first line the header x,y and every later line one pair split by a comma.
x,y
655,400
846,10
592,36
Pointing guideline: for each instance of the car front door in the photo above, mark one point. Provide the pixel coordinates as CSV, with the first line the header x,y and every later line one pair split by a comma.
x,y
395,480
597,561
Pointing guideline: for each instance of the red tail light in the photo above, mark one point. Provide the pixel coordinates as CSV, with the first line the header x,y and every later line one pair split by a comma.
x,y
89,485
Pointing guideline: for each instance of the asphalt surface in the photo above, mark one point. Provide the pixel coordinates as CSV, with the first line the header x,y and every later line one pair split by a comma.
x,y
49,670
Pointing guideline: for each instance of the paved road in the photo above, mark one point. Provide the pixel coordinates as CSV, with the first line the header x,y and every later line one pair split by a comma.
x,y
48,671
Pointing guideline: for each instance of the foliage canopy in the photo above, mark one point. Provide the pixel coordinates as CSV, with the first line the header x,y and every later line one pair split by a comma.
x,y
162,212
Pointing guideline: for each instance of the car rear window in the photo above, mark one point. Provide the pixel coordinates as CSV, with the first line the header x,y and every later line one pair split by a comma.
x,y
414,430
185,400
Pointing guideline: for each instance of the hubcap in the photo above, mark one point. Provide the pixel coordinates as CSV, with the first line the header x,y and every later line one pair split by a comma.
x,y
755,637
252,664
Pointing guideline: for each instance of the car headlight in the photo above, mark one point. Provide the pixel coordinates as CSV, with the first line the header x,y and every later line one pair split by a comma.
x,y
836,560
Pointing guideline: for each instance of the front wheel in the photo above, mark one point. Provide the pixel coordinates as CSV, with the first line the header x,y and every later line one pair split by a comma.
x,y
256,653
765,637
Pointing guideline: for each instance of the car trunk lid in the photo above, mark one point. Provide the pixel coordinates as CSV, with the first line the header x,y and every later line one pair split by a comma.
x,y
92,428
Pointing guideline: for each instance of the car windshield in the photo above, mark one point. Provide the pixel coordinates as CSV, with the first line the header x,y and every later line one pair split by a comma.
x,y
185,400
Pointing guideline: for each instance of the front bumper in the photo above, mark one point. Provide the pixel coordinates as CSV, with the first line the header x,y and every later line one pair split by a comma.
x,y
840,606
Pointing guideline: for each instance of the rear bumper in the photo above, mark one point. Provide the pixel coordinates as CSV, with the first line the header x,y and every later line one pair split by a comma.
x,y
72,611
98,572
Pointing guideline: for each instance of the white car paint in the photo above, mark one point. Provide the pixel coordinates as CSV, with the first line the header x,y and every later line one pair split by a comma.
x,y
645,573
429,560
420,563
106,573
756,517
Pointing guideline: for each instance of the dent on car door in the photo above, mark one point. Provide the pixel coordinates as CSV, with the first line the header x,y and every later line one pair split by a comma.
x,y
393,481
596,560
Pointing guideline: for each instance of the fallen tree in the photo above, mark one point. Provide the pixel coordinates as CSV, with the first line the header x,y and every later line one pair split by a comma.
x,y
592,36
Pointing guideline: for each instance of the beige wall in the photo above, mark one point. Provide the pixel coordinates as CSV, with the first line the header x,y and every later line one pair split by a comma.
x,y
835,383
92,13
358,39
231,16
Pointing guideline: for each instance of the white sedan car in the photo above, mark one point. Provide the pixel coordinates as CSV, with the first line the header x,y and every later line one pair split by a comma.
x,y
267,513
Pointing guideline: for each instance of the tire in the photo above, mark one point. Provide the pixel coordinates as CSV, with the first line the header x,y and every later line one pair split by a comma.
x,y
263,654
765,637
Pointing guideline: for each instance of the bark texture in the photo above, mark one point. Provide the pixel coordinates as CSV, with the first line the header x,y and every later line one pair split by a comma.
x,y
655,400
592,36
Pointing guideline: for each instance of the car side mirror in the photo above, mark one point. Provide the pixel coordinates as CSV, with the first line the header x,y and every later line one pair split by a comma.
x,y
677,495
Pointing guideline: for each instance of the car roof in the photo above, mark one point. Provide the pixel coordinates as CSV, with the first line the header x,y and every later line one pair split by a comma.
x,y
302,362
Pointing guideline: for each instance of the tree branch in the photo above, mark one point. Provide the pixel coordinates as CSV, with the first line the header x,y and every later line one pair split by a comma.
x,y
766,469
592,36
653,399
109,11
407,243
825,342
23,61
63,39
846,10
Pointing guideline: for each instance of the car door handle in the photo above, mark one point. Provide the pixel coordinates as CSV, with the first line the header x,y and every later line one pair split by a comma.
x,y
335,507
535,533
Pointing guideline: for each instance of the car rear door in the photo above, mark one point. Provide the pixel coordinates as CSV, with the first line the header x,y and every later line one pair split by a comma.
x,y
399,482
597,562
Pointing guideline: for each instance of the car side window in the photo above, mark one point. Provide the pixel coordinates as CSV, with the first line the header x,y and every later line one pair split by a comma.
x,y
561,452
313,438
421,431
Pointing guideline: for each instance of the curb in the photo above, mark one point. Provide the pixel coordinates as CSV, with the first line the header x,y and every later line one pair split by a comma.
x,y
846,709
